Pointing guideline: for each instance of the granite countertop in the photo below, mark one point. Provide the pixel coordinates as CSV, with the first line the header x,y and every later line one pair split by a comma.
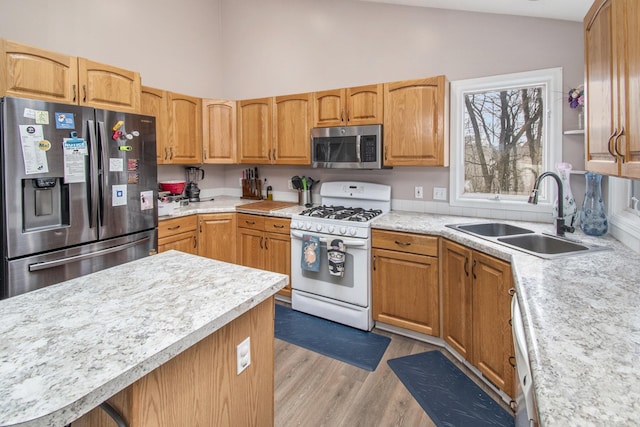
x,y
227,204
68,347
581,320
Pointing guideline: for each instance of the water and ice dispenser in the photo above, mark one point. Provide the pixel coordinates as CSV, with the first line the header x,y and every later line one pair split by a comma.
x,y
45,203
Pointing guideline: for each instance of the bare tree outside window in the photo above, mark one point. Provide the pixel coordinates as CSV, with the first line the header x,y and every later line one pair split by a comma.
x,y
503,133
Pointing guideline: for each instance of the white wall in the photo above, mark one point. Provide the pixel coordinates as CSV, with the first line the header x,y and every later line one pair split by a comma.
x,y
175,45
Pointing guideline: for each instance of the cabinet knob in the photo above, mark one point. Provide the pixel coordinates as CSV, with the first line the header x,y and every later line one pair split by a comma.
x,y
512,291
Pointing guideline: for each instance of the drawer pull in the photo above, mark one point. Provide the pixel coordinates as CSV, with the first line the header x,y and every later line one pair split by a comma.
x,y
512,291
512,361
403,243
278,226
250,222
173,228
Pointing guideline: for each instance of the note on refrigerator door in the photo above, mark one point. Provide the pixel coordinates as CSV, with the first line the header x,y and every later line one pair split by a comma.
x,y
75,152
34,149
118,195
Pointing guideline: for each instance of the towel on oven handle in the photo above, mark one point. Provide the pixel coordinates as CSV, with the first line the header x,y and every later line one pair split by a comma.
x,y
336,254
310,253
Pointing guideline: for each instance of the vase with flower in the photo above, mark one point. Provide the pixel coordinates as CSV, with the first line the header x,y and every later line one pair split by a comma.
x,y
576,101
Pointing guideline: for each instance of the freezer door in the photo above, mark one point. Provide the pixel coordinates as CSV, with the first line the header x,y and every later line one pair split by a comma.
x,y
128,173
35,272
46,176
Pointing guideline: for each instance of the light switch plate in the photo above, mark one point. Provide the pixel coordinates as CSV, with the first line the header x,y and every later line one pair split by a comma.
x,y
243,354
439,193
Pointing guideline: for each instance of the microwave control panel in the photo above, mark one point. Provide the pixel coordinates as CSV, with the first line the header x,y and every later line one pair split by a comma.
x,y
368,148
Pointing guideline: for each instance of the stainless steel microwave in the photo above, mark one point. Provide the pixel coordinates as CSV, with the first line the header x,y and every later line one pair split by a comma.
x,y
347,147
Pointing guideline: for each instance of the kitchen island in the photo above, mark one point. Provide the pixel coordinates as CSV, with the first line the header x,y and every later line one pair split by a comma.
x,y
140,330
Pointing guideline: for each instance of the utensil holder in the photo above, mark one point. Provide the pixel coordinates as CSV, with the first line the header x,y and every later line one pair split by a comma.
x,y
251,189
304,198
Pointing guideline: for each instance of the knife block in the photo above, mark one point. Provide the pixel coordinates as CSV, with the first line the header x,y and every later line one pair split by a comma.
x,y
251,189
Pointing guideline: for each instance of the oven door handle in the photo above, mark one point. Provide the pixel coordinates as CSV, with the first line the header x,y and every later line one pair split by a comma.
x,y
352,243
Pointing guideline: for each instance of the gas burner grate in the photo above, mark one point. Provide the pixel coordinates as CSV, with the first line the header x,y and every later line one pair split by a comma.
x,y
342,213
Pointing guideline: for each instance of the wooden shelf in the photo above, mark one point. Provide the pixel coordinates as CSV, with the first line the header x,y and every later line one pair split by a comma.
x,y
574,132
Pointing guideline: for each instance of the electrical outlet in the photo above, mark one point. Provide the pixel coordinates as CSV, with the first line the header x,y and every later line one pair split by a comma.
x,y
243,354
419,192
439,193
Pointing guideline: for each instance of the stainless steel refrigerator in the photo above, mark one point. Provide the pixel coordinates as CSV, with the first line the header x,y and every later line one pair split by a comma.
x,y
79,191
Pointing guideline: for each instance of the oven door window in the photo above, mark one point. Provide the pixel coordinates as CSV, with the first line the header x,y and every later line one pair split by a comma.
x,y
346,281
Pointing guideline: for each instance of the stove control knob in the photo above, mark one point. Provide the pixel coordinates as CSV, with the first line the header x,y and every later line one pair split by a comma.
x,y
343,230
331,229
318,227
352,231
307,226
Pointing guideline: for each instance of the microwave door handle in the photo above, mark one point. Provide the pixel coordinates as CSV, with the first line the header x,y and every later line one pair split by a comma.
x,y
358,148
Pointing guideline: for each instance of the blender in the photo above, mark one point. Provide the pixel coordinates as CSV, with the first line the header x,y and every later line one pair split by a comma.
x,y
193,176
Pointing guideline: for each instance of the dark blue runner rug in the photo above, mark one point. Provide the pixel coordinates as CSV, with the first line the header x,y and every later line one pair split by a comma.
x,y
359,348
447,395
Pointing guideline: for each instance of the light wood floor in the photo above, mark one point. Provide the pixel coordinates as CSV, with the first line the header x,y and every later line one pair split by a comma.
x,y
315,390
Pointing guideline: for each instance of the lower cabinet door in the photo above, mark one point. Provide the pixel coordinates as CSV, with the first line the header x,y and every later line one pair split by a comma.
x,y
184,242
405,291
278,257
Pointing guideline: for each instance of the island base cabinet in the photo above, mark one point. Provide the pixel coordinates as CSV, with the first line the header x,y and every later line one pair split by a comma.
x,y
200,386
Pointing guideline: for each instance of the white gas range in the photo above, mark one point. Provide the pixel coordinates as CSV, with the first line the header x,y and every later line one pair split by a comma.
x,y
340,227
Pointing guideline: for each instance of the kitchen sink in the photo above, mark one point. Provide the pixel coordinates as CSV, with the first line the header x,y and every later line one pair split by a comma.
x,y
525,240
542,243
493,229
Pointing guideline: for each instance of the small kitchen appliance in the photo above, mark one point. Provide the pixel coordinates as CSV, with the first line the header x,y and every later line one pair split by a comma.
x,y
194,175
342,221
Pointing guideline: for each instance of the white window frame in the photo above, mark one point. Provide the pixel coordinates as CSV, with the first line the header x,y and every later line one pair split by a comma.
x,y
554,98
624,224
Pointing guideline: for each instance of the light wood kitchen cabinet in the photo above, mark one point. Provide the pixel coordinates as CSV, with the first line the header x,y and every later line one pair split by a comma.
x,y
476,311
264,242
405,281
31,72
217,236
416,122
255,133
612,67
185,129
362,105
108,87
219,131
179,233
153,102
292,122
200,386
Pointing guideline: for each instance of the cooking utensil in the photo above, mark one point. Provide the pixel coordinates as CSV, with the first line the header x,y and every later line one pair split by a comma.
x,y
173,186
296,183
304,183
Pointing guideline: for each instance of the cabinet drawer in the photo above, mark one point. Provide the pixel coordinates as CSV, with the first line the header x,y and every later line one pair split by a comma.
x,y
168,227
277,225
406,242
254,222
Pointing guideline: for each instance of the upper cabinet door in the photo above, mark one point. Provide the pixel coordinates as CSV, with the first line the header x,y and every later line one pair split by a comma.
x,y
292,119
219,131
185,136
153,102
601,89
329,108
108,87
29,72
629,16
364,105
255,130
416,122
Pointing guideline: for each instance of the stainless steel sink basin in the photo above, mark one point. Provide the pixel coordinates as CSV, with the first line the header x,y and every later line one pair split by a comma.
x,y
493,229
525,240
543,244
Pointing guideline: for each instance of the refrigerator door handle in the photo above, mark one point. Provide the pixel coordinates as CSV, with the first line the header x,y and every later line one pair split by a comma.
x,y
38,266
104,155
93,170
